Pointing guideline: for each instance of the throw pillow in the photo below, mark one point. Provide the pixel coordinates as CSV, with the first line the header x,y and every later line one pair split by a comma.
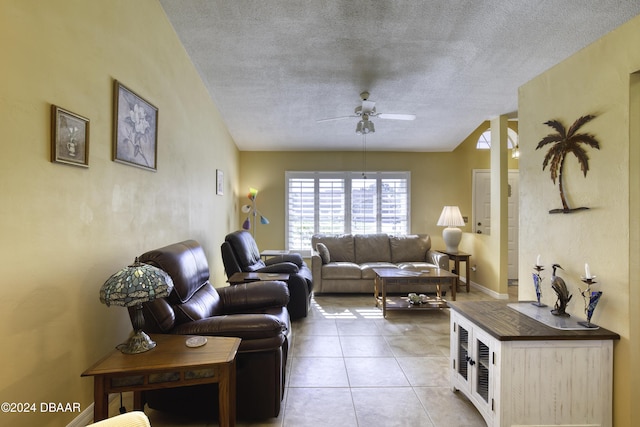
x,y
323,251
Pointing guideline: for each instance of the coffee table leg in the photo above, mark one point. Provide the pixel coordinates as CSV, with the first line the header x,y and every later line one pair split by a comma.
x,y
384,297
375,289
454,285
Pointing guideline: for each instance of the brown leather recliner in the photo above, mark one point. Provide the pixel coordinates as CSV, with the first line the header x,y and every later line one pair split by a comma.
x,y
240,254
255,312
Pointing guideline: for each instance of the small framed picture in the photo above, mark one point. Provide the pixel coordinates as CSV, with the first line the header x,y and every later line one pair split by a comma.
x,y
219,182
135,129
69,137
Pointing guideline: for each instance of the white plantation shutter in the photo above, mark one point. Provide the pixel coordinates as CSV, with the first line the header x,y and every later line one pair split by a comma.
x,y
331,205
344,202
364,205
394,206
301,212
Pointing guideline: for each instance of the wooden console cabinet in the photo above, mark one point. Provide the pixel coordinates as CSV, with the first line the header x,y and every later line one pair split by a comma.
x,y
520,372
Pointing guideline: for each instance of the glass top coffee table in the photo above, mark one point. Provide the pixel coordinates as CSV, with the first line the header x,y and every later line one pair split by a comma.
x,y
407,278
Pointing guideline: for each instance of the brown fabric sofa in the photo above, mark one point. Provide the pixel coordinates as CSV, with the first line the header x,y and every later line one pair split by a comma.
x,y
343,263
255,312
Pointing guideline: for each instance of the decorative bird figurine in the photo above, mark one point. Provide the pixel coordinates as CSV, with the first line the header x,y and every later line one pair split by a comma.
x,y
560,288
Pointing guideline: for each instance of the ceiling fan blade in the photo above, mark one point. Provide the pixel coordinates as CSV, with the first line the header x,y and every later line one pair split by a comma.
x,y
330,119
397,116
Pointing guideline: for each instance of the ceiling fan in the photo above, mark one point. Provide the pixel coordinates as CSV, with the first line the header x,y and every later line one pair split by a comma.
x,y
366,111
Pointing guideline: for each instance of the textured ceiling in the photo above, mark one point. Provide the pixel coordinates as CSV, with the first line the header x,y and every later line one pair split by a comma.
x,y
273,67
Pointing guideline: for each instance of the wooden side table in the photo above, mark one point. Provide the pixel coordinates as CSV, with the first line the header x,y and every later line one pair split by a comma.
x,y
170,364
241,277
273,252
456,257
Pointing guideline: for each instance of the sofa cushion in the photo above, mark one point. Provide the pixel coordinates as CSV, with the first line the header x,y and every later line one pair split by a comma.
x,y
340,246
409,247
341,270
367,268
372,248
323,251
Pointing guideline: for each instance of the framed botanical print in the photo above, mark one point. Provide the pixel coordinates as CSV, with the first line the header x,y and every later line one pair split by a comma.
x,y
69,137
135,129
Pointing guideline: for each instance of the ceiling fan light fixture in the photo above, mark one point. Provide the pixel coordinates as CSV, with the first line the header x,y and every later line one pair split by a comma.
x,y
364,127
368,127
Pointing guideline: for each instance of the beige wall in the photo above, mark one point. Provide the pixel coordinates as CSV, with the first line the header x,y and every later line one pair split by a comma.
x,y
594,81
65,229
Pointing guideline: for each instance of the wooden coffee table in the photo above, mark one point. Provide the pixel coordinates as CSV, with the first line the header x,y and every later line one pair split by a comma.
x,y
170,364
406,278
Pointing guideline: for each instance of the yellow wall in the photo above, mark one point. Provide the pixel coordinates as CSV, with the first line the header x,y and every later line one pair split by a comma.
x,y
432,184
437,179
594,81
65,229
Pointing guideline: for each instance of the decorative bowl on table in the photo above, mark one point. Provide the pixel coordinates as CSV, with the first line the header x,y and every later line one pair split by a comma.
x,y
416,299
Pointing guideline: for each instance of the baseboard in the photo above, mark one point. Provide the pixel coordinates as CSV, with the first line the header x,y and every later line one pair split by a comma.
x,y
86,417
488,291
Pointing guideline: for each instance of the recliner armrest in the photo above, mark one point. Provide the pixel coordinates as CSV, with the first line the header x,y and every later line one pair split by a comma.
x,y
245,326
253,295
281,267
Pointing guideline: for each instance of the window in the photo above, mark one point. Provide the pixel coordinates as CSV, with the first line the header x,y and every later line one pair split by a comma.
x,y
344,202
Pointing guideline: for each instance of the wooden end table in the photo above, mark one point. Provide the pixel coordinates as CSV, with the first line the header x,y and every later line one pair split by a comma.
x,y
170,364
238,278
456,257
407,277
273,252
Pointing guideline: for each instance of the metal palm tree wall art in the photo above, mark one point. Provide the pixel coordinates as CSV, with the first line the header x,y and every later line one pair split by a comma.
x,y
566,142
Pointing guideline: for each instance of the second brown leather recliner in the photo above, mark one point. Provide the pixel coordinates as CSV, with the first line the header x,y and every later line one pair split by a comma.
x,y
240,254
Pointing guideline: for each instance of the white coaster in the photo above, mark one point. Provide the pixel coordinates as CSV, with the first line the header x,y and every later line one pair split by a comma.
x,y
196,341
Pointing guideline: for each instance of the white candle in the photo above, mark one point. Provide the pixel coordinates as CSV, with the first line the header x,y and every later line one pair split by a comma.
x,y
538,261
587,272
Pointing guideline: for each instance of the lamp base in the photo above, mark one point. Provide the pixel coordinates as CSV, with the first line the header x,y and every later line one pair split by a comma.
x,y
138,343
452,237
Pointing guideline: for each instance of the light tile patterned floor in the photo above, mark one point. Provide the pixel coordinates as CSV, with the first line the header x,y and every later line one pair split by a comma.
x,y
350,367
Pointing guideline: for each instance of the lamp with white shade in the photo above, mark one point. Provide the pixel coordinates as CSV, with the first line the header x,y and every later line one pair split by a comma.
x,y
451,218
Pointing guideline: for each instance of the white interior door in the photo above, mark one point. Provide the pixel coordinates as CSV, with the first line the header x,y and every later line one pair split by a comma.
x,y
481,201
482,212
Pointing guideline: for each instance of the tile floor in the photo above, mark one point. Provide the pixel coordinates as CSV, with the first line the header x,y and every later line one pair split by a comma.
x,y
350,367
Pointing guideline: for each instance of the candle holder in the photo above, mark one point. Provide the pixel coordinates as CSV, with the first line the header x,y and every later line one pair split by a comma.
x,y
591,299
537,283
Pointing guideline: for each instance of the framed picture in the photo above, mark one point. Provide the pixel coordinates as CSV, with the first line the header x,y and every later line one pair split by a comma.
x,y
219,182
135,130
69,137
